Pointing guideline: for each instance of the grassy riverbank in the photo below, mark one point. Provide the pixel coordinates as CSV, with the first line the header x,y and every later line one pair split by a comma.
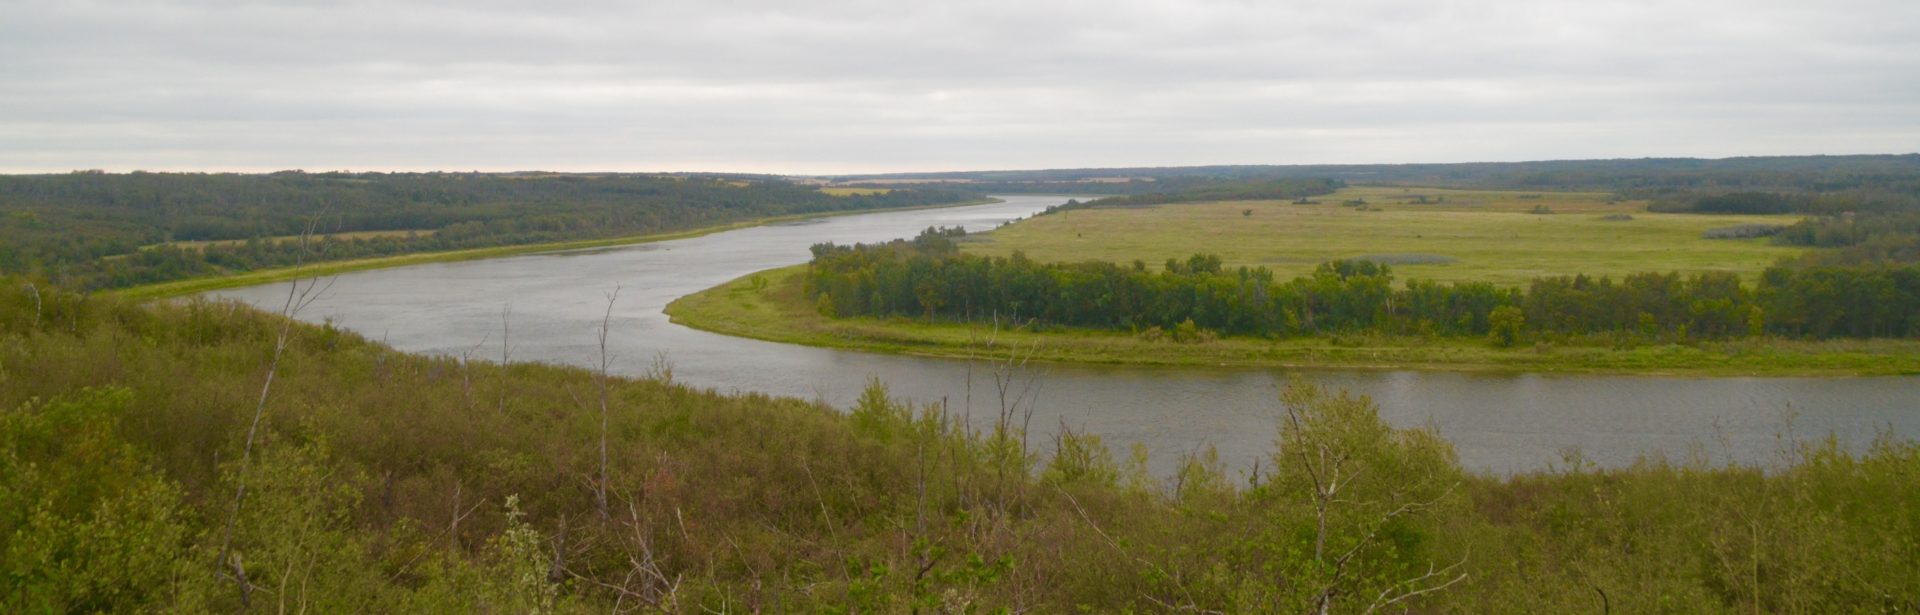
x,y
770,306
179,288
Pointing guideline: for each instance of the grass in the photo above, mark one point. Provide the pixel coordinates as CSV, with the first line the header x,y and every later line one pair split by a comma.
x,y
855,191
1470,236
770,306
200,245
194,286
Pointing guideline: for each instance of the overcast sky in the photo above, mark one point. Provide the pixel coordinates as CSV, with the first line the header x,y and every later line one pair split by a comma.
x,y
903,85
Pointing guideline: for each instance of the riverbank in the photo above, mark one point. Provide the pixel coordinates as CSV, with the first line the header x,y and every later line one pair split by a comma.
x,y
770,305
193,286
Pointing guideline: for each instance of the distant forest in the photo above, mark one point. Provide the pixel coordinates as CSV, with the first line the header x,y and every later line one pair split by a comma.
x,y
1632,178
98,230
93,230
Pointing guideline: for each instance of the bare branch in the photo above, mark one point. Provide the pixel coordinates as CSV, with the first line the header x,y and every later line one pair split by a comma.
x,y
1388,598
296,301
1190,605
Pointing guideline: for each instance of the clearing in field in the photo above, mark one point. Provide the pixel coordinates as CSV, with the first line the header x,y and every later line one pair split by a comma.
x,y
1507,238
855,191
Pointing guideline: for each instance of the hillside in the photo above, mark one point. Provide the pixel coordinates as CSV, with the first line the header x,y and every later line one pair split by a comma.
x,y
384,482
103,230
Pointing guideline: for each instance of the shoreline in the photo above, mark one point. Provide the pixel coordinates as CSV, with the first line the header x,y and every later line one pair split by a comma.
x,y
766,305
192,286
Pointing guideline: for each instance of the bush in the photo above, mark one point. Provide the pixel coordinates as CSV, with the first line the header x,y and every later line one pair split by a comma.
x,y
1506,324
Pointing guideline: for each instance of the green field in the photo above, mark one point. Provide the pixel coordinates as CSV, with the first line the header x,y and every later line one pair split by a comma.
x,y
1477,235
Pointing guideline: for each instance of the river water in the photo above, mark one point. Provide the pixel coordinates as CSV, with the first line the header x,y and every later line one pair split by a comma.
x,y
1499,423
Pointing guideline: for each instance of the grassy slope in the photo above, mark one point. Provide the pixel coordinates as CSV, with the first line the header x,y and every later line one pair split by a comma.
x,y
769,306
181,288
1490,235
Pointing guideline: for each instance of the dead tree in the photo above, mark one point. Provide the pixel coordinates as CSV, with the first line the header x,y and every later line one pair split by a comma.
x,y
298,298
600,379
506,352
35,292
466,370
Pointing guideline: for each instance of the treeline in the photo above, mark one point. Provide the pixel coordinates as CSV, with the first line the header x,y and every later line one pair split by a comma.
x,y
1219,191
1227,187
1879,200
929,278
383,482
100,230
1891,238
1865,218
1632,177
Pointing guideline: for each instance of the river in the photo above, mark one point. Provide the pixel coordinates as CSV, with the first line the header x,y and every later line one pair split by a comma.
x,y
1499,423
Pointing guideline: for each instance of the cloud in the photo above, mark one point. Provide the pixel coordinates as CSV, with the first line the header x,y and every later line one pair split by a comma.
x,y
877,86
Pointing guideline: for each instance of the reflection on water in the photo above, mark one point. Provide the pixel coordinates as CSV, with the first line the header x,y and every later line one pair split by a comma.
x,y
1499,423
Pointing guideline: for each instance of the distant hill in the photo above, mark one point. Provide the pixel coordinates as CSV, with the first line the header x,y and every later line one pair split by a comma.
x,y
1631,176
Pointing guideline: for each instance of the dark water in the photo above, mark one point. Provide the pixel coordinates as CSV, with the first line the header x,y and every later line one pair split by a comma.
x,y
1500,423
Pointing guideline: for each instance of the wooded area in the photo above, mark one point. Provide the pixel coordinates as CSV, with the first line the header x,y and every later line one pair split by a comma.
x,y
103,230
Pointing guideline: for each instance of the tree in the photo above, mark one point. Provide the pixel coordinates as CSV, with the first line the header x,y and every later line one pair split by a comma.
x,y
1363,481
1505,324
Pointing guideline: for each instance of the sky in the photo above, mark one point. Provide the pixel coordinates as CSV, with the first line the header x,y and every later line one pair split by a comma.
x,y
855,86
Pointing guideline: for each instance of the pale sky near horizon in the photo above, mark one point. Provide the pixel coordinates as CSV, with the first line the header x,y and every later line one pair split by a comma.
x,y
846,86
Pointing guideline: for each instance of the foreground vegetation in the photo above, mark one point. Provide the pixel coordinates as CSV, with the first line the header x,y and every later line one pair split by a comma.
x,y
132,478
773,305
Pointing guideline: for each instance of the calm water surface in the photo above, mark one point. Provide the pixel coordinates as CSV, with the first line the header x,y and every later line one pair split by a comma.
x,y
1499,423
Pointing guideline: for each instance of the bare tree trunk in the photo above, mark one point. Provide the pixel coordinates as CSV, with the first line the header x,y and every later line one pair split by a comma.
x,y
506,352
453,525
296,301
466,372
606,324
35,291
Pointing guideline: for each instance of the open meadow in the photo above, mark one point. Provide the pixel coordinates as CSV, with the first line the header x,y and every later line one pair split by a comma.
x,y
1423,233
